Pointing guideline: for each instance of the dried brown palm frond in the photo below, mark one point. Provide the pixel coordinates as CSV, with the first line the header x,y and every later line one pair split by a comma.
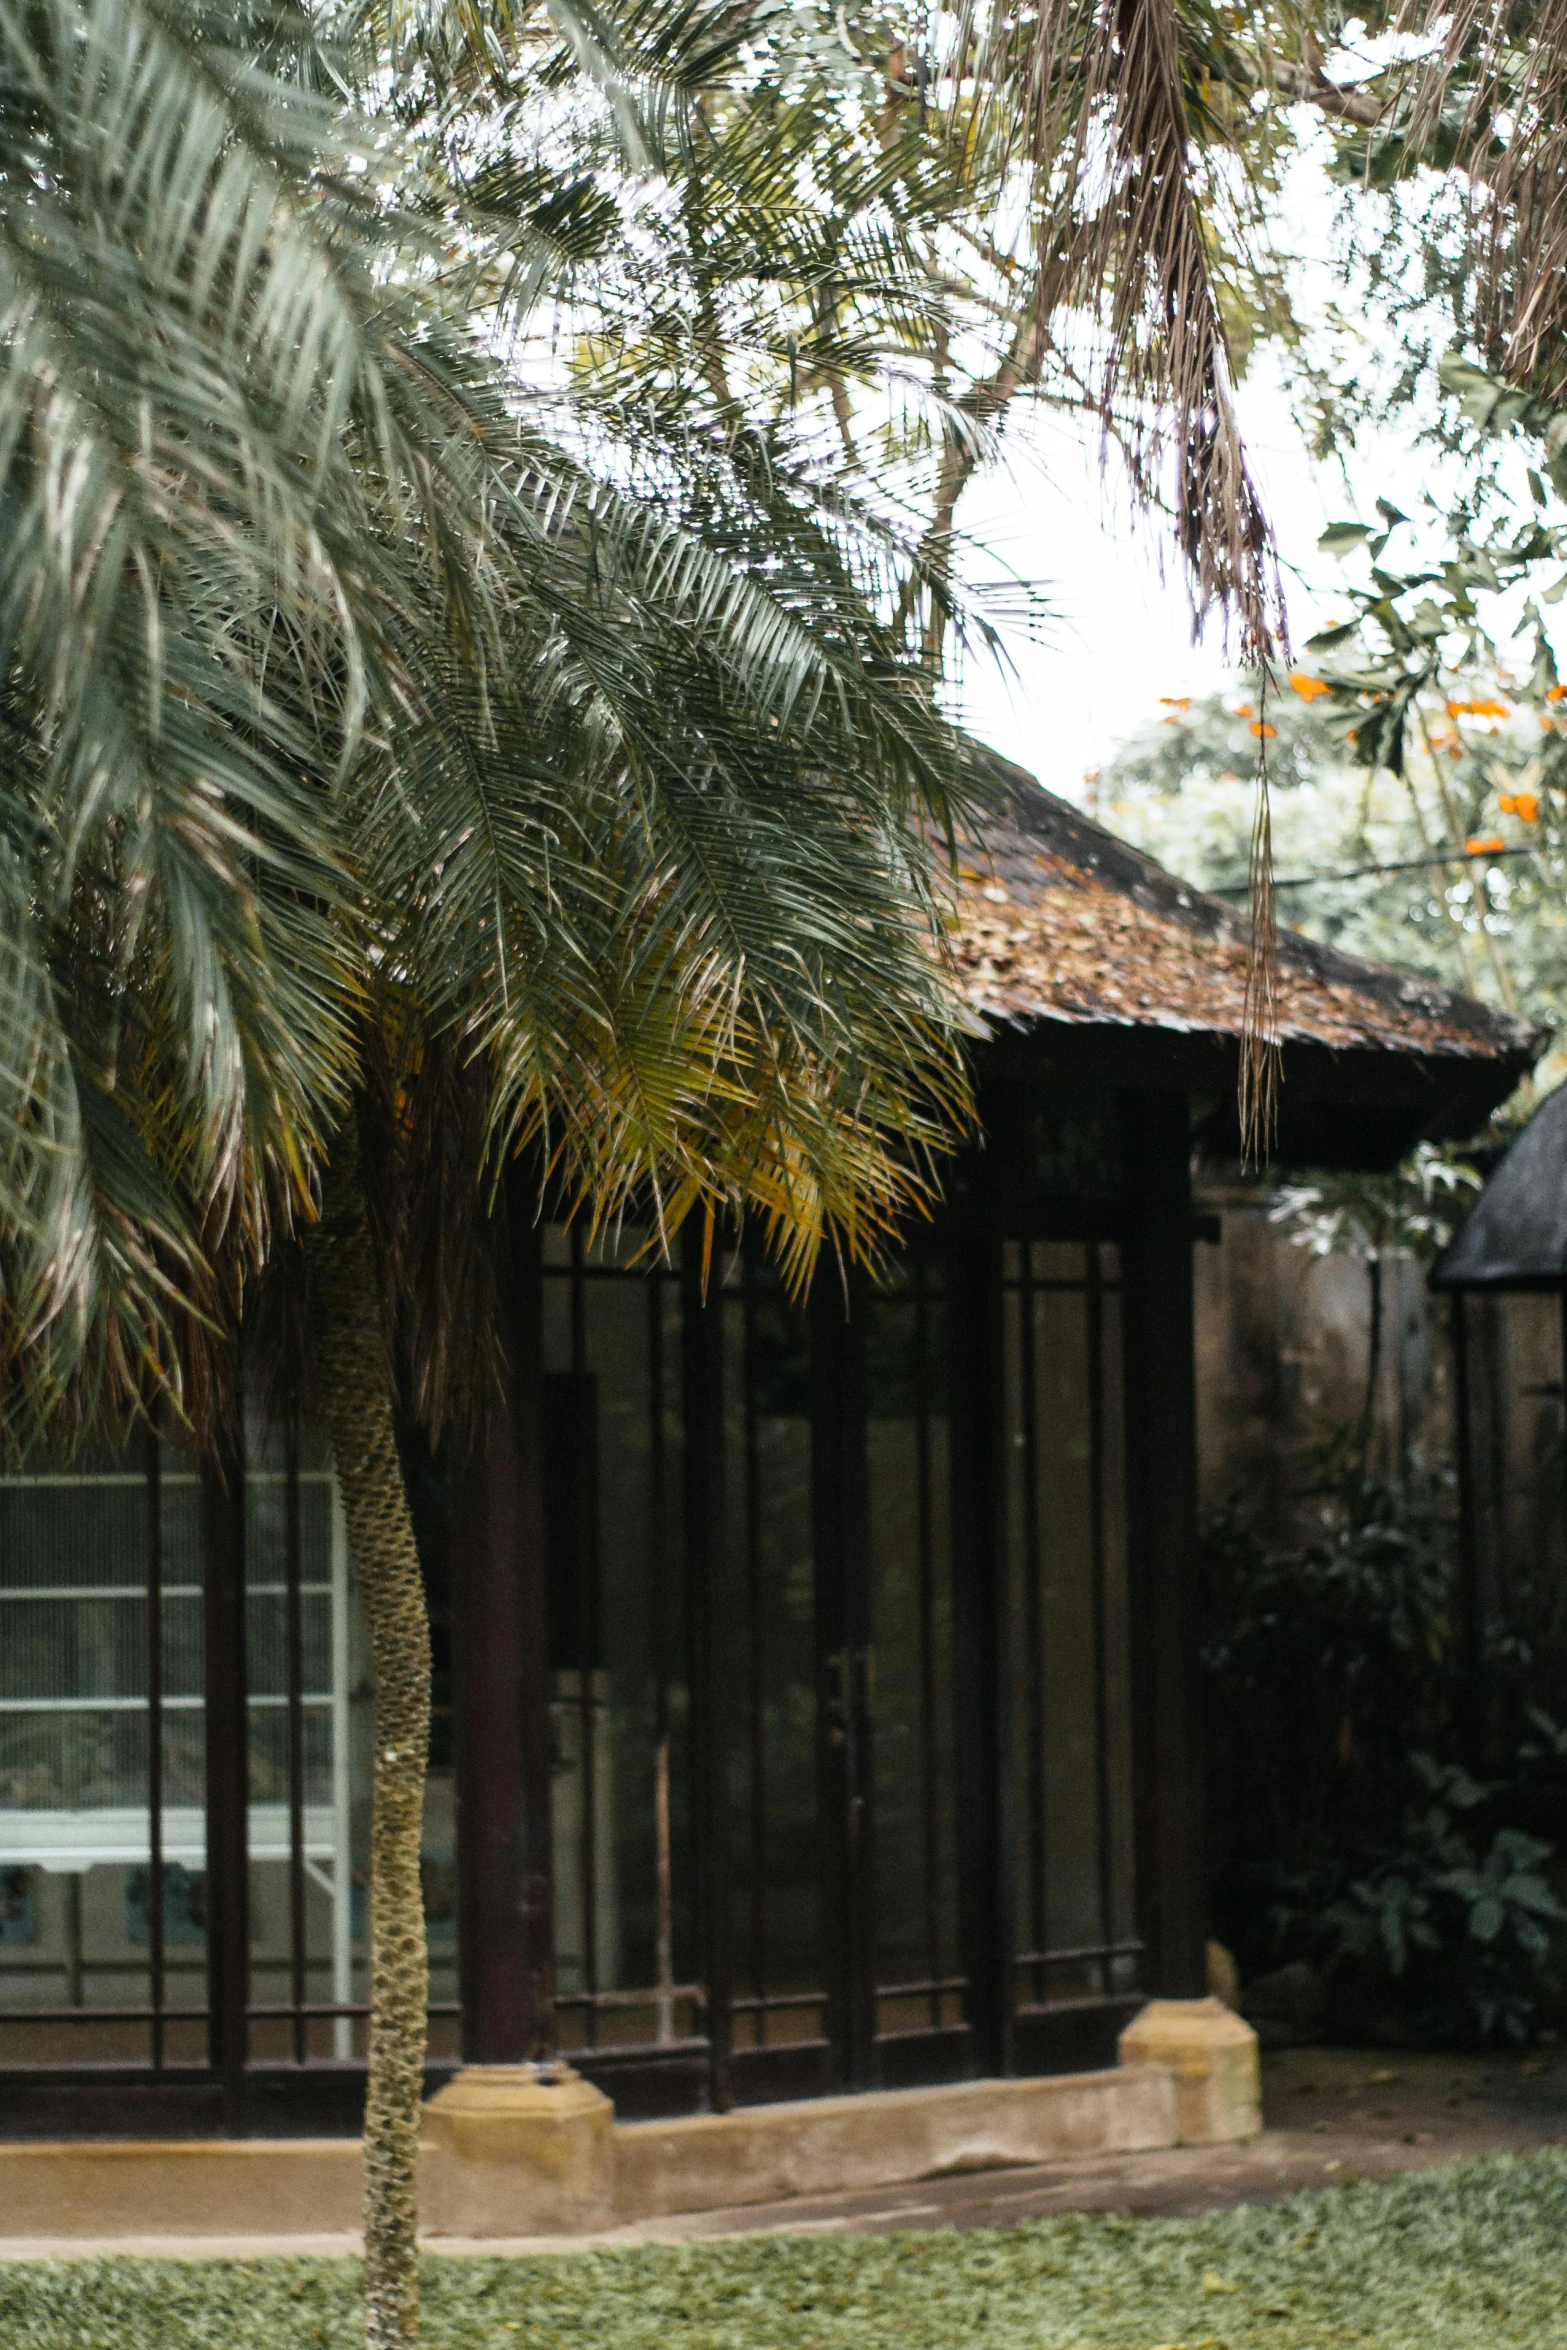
x,y
1491,99
1097,101
1261,1054
1095,98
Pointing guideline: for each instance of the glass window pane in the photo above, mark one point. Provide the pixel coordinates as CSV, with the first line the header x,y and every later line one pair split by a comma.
x,y
614,1493
308,1676
769,1609
911,1617
1068,1624
77,1930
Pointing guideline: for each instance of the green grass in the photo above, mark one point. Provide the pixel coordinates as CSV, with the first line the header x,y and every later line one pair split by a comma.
x,y
1442,2260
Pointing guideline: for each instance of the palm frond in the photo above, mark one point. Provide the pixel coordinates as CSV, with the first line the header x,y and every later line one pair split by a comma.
x,y
1490,100
571,736
1097,86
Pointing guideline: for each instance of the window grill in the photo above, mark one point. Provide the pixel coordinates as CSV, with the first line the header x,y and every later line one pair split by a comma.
x,y
1066,1544
104,1696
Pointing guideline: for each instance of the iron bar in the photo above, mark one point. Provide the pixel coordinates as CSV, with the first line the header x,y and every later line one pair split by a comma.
x,y
664,1930
294,1642
754,1601
272,2010
1098,1569
1032,1595
927,1601
153,1524
227,1761
103,2015
1075,1953
587,1624
702,1415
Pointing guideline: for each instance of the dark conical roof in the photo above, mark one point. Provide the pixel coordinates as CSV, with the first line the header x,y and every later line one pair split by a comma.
x,y
1515,1235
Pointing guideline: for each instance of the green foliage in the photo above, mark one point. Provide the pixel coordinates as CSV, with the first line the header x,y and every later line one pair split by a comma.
x,y
1329,1653
1460,1939
1372,862
1412,1212
1457,2259
360,680
1343,1830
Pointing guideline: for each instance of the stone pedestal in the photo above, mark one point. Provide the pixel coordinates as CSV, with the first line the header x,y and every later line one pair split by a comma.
x,y
1213,2056
517,2150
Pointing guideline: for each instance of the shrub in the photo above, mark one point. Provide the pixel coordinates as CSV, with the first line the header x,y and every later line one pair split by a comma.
x,y
1345,1830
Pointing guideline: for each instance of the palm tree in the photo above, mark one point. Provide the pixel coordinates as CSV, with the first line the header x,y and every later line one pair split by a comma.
x,y
358,717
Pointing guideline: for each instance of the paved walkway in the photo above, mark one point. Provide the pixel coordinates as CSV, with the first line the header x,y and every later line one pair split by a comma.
x,y
1331,2114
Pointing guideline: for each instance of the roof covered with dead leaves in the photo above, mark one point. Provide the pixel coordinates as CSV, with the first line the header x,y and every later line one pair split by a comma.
x,y
1059,921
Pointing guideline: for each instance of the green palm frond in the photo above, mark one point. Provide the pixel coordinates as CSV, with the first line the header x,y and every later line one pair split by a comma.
x,y
347,669
675,881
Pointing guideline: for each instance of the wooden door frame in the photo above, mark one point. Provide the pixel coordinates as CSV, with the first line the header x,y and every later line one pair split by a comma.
x,y
1161,1450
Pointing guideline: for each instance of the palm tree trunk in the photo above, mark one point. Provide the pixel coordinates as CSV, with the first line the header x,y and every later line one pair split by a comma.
x,y
357,1393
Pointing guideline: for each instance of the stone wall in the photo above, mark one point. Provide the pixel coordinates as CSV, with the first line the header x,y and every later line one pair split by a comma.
x,y
1282,1354
1282,1350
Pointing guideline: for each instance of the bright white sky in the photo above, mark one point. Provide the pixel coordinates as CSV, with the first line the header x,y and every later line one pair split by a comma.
x,y
1120,635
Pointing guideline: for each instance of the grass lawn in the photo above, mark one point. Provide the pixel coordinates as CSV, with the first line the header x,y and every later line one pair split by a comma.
x,y
1440,2260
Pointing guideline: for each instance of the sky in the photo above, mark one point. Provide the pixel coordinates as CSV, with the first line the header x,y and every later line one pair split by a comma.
x,y
1118,635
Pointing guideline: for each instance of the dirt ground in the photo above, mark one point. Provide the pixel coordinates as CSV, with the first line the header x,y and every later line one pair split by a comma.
x,y
1329,2113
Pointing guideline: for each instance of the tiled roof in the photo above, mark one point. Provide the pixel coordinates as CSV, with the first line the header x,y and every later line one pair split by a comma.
x,y
1058,920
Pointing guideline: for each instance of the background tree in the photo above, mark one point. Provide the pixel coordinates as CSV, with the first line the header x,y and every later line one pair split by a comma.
x,y
1377,862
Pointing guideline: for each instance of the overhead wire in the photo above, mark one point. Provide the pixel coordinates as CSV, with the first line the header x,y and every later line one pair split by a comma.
x,y
1240,886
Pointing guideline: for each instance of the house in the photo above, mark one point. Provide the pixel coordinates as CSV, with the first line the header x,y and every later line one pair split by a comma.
x,y
815,1685
1504,1278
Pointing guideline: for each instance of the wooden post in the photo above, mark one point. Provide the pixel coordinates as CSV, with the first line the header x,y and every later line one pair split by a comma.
x,y
1472,1727
840,1502
501,1690
983,1742
222,1519
1161,1441
702,1381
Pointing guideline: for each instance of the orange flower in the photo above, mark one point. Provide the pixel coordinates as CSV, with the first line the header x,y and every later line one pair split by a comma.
x,y
1523,804
1486,708
1483,844
1310,689
1556,693
1257,727
1241,710
1175,701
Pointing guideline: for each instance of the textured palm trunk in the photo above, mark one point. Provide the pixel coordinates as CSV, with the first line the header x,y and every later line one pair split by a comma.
x,y
357,1394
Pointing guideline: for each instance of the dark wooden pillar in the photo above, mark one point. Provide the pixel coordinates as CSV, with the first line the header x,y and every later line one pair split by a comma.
x,y
222,1521
501,1689
711,1666
1473,1723
1161,1441
983,1735
840,1501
